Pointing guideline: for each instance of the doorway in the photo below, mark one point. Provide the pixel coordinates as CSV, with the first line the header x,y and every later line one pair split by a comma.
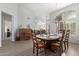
x,y
6,28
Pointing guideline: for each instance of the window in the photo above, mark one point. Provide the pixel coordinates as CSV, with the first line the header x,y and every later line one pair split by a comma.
x,y
72,27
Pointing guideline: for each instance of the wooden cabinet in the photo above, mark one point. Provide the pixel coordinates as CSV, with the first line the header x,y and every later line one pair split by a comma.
x,y
25,33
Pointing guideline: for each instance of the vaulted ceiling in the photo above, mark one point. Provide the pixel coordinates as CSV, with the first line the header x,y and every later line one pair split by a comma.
x,y
43,8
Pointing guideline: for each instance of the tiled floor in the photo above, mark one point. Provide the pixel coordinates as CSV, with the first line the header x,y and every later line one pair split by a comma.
x,y
24,48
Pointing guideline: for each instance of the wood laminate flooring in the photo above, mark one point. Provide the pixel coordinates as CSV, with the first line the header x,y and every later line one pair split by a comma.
x,y
24,48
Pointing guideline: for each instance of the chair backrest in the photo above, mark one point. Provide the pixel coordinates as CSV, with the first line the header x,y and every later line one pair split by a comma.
x,y
35,39
67,34
62,32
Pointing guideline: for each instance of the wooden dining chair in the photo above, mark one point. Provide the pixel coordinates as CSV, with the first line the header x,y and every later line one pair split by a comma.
x,y
38,45
67,39
59,43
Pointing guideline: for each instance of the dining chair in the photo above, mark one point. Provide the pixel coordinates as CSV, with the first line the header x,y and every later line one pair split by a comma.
x,y
59,43
67,39
38,45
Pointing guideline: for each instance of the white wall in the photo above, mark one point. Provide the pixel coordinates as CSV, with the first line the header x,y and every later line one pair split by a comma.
x,y
10,8
74,7
24,12
25,16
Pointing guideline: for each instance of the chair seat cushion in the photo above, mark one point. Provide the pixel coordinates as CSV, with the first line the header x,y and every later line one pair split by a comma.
x,y
55,44
39,45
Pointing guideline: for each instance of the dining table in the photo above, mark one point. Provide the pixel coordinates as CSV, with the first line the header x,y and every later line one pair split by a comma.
x,y
49,38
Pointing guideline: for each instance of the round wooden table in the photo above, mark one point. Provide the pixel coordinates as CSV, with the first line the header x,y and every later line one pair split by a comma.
x,y
48,39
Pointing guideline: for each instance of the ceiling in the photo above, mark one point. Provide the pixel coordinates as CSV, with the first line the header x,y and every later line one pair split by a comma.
x,y
43,9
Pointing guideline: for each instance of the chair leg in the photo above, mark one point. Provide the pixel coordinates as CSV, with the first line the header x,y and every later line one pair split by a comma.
x,y
67,44
64,46
33,50
37,52
60,50
45,50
